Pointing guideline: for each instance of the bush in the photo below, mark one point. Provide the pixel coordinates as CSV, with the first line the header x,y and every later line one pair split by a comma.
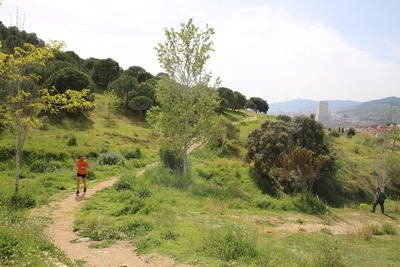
x,y
309,204
6,153
136,228
231,242
136,154
109,158
123,184
389,229
334,134
72,141
8,244
351,132
19,201
171,158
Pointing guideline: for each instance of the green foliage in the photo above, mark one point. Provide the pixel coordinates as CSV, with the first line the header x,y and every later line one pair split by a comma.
x,y
279,144
187,104
23,241
171,158
140,103
104,71
68,78
351,132
100,228
309,204
72,141
284,118
123,86
18,201
231,242
133,154
259,105
389,229
136,228
334,134
6,153
109,158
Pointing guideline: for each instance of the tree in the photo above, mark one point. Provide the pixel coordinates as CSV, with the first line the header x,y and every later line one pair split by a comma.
x,y
299,169
144,89
283,117
68,78
298,144
112,100
394,136
261,106
123,86
140,103
105,71
187,103
250,105
239,101
265,145
227,94
134,71
351,132
21,111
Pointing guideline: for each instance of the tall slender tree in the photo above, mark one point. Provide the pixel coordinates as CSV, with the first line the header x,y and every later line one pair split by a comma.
x,y
187,102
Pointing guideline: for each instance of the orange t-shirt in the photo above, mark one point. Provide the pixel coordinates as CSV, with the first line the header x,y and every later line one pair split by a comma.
x,y
82,165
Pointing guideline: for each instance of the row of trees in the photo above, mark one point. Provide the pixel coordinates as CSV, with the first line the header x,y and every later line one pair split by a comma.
x,y
135,87
181,100
235,100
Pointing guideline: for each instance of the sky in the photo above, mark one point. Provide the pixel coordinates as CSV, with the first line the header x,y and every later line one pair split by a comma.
x,y
278,50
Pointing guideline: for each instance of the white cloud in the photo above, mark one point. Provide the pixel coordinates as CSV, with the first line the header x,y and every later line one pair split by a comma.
x,y
259,50
264,52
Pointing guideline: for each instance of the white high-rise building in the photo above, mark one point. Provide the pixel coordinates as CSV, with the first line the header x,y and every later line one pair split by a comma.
x,y
323,115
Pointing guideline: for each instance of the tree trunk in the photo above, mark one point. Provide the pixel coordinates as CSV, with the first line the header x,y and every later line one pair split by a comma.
x,y
19,144
18,155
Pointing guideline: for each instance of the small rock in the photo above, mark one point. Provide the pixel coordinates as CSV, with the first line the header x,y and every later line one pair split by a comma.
x,y
124,265
85,239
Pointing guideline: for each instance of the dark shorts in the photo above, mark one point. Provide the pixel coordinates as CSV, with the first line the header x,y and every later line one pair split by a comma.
x,y
81,175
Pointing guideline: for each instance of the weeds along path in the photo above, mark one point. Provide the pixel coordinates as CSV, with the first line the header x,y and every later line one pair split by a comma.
x,y
60,231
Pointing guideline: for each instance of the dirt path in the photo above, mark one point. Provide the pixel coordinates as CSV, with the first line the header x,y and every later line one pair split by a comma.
x,y
61,233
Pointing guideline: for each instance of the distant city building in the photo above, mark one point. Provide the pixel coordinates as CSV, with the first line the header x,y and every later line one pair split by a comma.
x,y
323,115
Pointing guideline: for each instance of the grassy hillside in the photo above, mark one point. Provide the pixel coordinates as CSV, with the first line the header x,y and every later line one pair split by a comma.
x,y
218,218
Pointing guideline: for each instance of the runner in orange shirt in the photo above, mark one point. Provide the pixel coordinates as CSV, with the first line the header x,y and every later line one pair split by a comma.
x,y
81,166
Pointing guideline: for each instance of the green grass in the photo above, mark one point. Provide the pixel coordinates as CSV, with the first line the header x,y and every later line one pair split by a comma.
x,y
219,217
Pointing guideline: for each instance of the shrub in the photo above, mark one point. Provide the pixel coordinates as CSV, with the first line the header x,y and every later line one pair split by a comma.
x,y
351,132
72,141
334,134
19,201
6,153
231,242
309,204
376,229
389,229
171,158
100,228
123,184
91,175
109,158
136,154
8,244
136,228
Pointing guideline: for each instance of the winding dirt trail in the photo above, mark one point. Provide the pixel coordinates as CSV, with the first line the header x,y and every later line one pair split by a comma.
x,y
61,233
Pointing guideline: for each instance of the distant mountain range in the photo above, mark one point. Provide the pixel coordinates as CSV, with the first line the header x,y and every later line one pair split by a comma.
x,y
306,106
386,110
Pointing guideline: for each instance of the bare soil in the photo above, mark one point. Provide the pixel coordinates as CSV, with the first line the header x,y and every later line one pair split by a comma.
x,y
61,233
